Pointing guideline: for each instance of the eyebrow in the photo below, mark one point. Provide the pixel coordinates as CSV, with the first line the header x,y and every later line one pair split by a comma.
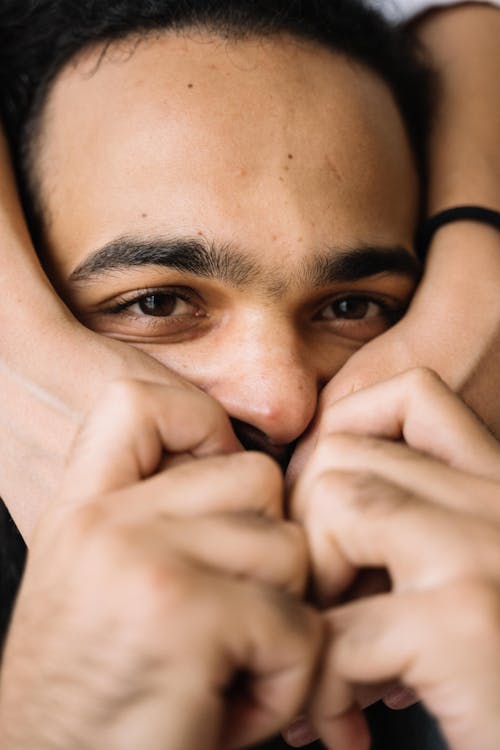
x,y
227,263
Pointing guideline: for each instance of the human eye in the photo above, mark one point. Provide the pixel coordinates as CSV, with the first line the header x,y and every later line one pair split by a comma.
x,y
156,312
362,316
157,303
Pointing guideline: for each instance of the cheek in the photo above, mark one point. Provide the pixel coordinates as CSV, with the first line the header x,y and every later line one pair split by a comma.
x,y
190,361
218,357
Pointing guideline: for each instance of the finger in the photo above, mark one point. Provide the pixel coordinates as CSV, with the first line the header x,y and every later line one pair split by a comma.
x,y
415,406
409,469
239,483
419,408
300,732
346,728
223,630
355,521
344,731
242,545
423,639
332,706
277,648
134,423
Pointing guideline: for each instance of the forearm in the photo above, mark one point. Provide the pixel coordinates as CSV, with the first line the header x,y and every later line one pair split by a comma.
x,y
463,267
25,290
22,281
464,160
51,368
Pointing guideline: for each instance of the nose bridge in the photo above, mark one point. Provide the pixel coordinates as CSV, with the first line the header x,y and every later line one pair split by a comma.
x,y
269,382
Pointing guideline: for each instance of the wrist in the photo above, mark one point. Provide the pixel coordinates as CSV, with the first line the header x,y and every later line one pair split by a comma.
x,y
467,255
479,215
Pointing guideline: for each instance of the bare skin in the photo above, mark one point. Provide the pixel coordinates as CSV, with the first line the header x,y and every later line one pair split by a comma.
x,y
199,545
154,577
428,513
36,434
283,207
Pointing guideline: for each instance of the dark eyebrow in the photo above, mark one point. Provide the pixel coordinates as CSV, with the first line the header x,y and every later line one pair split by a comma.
x,y
185,255
345,265
229,264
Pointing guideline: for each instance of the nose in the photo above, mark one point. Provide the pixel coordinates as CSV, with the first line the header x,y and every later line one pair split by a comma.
x,y
269,383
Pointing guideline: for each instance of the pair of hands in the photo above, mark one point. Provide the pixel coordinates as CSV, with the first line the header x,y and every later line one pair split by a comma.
x,y
163,599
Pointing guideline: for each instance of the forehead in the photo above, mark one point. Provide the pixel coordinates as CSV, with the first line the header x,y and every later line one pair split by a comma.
x,y
272,143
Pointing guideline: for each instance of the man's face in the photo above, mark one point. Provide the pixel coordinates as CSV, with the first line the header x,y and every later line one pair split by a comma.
x,y
243,211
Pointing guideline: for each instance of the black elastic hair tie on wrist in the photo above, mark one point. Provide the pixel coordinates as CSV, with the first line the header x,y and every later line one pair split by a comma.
x,y
460,213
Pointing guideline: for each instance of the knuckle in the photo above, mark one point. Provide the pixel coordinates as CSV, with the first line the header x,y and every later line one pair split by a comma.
x,y
125,572
159,580
422,379
360,492
261,467
326,485
378,498
160,585
330,488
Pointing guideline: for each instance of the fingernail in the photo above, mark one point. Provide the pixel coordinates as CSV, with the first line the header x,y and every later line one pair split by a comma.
x,y
300,733
400,697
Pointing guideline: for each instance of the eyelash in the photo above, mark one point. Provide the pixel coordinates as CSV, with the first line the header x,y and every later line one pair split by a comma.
x,y
122,304
391,309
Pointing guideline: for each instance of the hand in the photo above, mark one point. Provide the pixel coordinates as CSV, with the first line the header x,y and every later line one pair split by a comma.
x,y
429,513
45,398
146,594
445,329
